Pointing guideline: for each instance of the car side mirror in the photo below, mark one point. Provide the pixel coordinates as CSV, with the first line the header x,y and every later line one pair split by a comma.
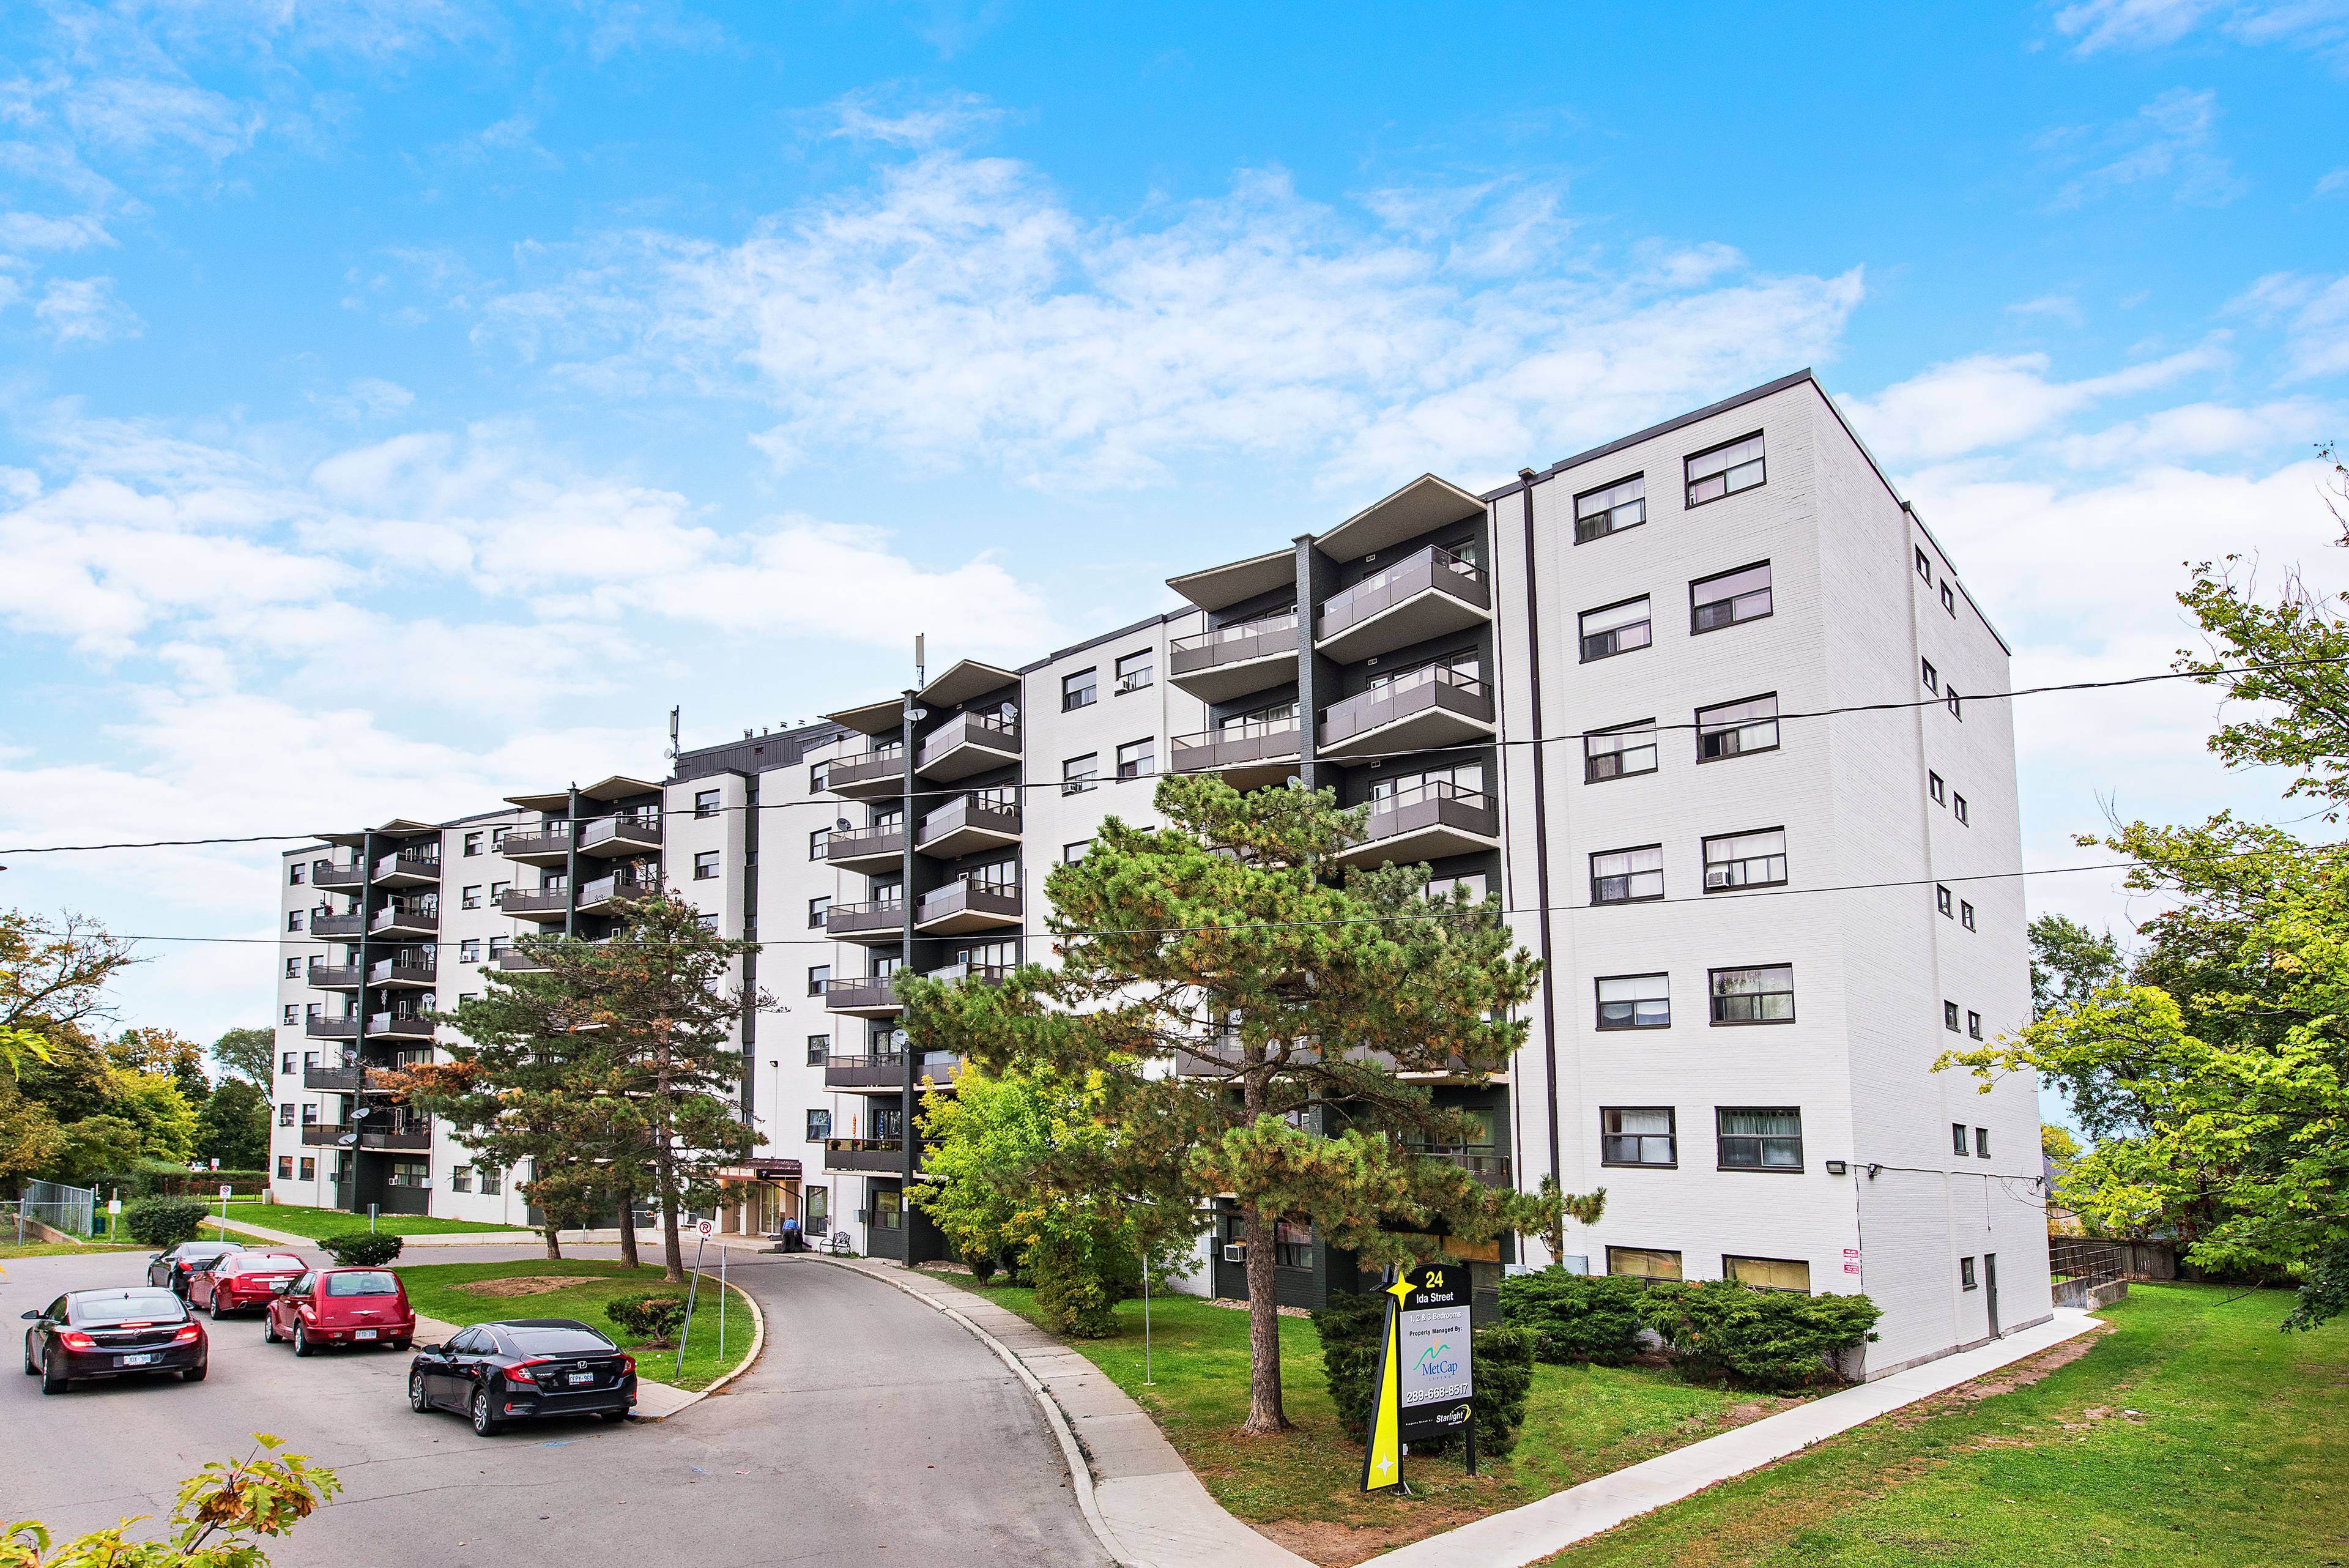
x,y
33,1316
281,1286
436,1349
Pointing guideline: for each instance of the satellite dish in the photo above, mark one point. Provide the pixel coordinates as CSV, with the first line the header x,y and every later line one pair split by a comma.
x,y
347,1140
841,824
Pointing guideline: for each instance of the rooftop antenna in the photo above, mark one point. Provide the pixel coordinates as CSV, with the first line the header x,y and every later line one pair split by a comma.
x,y
921,675
672,734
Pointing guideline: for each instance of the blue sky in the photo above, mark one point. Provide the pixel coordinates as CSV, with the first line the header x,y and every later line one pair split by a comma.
x,y
403,404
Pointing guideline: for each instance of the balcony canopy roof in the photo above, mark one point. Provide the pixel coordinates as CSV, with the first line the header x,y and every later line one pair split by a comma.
x,y
397,827
881,718
617,787
1220,585
1424,504
966,680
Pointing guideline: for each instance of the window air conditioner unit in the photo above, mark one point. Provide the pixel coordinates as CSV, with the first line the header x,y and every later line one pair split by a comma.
x,y
1236,1252
1128,683
1716,877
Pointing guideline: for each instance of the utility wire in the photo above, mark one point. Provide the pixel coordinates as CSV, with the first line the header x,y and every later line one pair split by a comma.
x,y
1351,759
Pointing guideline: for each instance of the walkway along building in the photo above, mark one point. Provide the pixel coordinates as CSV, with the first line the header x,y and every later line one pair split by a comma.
x,y
1703,707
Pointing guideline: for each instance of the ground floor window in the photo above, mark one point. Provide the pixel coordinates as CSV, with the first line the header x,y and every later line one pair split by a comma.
x,y
461,1178
1292,1244
1768,1274
816,1214
1643,1262
888,1208
492,1180
412,1173
284,1167
309,1169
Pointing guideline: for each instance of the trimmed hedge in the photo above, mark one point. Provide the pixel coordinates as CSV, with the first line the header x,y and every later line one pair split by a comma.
x,y
654,1316
163,1221
1576,1317
1350,1327
361,1249
1721,1329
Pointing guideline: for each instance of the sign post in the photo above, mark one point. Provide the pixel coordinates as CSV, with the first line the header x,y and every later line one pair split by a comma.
x,y
1425,1385
116,1207
701,1228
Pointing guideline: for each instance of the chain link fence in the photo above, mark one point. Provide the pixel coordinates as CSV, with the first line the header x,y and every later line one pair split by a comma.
x,y
71,1209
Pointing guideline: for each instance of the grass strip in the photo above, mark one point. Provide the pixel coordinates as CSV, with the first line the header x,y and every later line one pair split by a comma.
x,y
466,1293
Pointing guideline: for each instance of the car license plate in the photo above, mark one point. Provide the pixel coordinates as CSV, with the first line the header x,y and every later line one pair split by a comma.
x,y
579,1378
143,1360
363,1334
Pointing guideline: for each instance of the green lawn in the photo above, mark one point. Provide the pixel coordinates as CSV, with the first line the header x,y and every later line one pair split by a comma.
x,y
317,1223
1303,1488
2193,1433
439,1290
10,1250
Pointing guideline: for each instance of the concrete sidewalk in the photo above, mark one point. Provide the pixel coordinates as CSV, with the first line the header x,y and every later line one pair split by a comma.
x,y
1144,1504
1539,1530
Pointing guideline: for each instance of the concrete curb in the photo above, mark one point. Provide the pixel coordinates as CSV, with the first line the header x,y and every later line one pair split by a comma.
x,y
758,1349
1081,1475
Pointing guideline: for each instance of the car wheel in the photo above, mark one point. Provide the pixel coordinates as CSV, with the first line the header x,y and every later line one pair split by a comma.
x,y
484,1423
217,1313
195,1374
400,1344
52,1380
32,1368
416,1397
615,1416
301,1346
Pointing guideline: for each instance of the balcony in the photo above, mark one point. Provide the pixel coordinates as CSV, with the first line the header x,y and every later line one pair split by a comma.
x,y
605,894
326,874
883,921
327,1135
408,868
403,968
880,1073
1421,712
345,1028
1426,822
398,1141
546,845
983,819
1422,595
863,996
879,1156
964,907
971,974
407,918
630,832
1247,752
350,925
334,976
400,1025
541,903
1485,1162
334,1080
514,961
969,743
874,775
866,849
1233,660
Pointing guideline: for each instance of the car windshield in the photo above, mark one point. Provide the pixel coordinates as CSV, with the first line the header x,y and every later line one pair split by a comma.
x,y
130,1306
558,1341
206,1253
371,1283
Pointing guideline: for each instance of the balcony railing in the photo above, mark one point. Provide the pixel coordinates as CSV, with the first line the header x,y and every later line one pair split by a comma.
x,y
626,834
535,901
968,906
326,874
327,1135
1433,707
405,970
419,916
875,1153
409,865
969,743
1205,663
337,925
868,774
1422,595
334,976
886,842
1437,819
866,921
398,1141
1250,744
880,1071
972,821
331,1028
333,1080
970,974
862,995
515,961
620,885
401,1025
1485,1162
548,841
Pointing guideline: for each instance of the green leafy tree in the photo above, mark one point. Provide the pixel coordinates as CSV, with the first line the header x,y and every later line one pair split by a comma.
x,y
2068,962
30,1141
233,1126
53,975
1220,944
247,1054
94,1145
223,1515
153,1103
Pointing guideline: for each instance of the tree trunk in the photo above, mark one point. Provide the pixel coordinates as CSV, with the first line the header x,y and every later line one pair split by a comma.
x,y
1265,1416
665,1161
554,1243
628,1259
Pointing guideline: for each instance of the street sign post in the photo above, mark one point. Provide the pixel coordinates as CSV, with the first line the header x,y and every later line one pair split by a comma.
x,y
701,1230
1425,1383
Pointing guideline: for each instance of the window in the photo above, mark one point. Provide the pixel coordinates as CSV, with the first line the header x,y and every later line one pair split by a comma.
x,y
309,1115
471,897
817,840
819,976
293,1013
1292,1244
1619,752
309,1167
888,1210
1611,510
818,1126
819,910
293,919
1745,860
1725,470
1934,787
819,777
285,1113
1134,760
1473,884
1982,1143
497,839
293,969
1958,805
472,843
1949,1016
1643,1262
1955,705
1077,774
465,996
1616,629
1932,677
1079,690
1734,729
1635,1001
461,1179
286,1062
1973,1024
1965,914
1759,1139
705,803
819,1046
1625,876
705,865
1072,853
1924,564
1941,899
492,1180
1769,1274
296,875
1957,1137
1965,1274
1642,1136
1949,601
410,1173
1765,994
1134,672
500,947
469,950
498,890
1733,597
284,1167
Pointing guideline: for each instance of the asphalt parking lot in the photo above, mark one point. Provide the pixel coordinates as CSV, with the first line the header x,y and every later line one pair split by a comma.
x,y
872,1430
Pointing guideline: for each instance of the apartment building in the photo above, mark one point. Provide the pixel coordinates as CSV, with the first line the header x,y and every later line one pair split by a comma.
x,y
1703,707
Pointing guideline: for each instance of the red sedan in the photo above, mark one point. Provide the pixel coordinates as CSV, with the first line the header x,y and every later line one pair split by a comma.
x,y
241,1281
341,1306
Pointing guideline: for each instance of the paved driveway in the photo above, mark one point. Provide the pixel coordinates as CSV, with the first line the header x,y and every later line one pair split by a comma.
x,y
872,1431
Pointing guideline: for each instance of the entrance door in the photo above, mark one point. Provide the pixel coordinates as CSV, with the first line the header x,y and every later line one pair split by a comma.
x,y
1989,1289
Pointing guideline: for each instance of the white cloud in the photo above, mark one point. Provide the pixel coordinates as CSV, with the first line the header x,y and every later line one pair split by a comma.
x,y
2172,139
889,115
2333,184
2317,25
2195,430
2315,314
85,310
2060,307
1992,399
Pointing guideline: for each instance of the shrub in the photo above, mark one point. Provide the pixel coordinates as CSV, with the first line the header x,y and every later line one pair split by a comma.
x,y
163,1221
1505,1386
1576,1317
653,1316
1350,1327
982,1264
1076,1288
361,1249
1760,1339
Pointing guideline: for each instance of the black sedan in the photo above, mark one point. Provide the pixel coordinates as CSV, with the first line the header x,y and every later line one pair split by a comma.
x,y
523,1370
114,1334
172,1270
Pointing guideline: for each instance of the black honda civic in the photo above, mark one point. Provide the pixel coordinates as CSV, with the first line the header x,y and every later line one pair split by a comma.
x,y
172,1270
114,1334
523,1370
